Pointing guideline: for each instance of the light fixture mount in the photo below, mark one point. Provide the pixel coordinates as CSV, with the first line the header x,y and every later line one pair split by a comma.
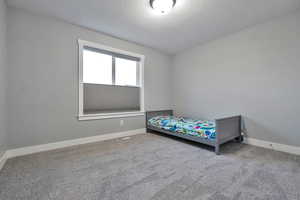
x,y
162,6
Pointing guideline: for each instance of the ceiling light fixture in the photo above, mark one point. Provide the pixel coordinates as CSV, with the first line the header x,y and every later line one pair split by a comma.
x,y
162,6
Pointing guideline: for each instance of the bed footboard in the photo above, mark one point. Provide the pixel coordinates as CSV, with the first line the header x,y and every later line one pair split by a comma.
x,y
227,129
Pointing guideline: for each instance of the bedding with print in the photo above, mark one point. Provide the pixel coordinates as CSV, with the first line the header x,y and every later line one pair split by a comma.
x,y
199,128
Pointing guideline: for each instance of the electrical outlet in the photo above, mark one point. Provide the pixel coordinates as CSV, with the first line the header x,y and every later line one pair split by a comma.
x,y
121,122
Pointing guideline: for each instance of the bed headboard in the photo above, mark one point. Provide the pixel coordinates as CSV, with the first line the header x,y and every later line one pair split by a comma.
x,y
150,114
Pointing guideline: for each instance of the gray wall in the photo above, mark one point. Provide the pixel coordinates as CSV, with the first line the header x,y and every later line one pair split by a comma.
x,y
43,75
254,73
3,67
107,97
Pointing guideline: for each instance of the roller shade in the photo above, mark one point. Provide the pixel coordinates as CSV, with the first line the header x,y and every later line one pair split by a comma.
x,y
117,55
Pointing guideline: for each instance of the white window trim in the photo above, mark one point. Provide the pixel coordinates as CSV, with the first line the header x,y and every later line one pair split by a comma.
x,y
81,115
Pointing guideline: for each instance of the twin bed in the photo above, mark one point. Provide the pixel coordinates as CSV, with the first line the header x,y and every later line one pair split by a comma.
x,y
213,133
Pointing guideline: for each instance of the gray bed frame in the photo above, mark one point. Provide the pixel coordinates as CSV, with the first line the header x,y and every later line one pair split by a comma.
x,y
227,129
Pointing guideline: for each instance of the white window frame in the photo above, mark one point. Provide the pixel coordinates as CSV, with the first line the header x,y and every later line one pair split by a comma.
x,y
81,115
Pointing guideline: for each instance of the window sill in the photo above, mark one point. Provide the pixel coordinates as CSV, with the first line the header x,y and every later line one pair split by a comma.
x,y
112,85
109,115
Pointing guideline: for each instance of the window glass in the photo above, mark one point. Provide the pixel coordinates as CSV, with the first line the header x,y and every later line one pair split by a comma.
x,y
126,72
97,67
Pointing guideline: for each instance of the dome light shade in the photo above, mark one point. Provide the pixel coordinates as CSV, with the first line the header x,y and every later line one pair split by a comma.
x,y
162,6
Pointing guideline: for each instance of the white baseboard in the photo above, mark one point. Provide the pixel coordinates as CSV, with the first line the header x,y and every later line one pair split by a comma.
x,y
68,143
274,146
3,160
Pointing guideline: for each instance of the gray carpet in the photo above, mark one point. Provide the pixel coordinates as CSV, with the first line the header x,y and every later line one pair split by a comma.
x,y
152,167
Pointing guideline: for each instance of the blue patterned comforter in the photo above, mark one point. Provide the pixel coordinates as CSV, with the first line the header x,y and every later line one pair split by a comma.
x,y
199,128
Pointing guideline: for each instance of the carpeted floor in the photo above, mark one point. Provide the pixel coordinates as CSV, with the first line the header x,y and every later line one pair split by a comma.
x,y
152,167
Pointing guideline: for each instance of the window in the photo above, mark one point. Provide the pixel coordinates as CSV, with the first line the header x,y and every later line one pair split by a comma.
x,y
110,82
109,68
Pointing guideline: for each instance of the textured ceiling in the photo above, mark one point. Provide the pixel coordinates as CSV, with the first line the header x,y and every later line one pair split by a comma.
x,y
190,23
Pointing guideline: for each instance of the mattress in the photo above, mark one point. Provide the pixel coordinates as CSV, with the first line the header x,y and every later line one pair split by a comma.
x,y
199,128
